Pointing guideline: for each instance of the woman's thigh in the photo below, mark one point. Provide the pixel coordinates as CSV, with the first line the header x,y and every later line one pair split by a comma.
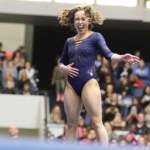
x,y
91,98
72,104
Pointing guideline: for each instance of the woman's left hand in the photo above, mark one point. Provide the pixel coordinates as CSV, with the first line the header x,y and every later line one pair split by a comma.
x,y
130,58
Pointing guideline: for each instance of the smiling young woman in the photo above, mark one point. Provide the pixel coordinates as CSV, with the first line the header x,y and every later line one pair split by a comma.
x,y
77,60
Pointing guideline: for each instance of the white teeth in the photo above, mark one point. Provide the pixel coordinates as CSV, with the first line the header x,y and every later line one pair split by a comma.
x,y
80,26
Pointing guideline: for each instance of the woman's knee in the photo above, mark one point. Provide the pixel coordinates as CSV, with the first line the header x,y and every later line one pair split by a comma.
x,y
72,124
97,123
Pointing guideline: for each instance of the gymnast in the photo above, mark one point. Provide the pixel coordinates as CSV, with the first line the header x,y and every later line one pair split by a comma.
x,y
77,60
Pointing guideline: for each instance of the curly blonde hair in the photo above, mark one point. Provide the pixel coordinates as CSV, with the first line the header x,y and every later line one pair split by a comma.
x,y
66,17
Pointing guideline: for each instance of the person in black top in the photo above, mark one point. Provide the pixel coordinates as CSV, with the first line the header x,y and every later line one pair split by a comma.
x,y
1,52
141,127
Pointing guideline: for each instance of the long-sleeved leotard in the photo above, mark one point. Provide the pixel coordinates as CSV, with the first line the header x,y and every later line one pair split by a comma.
x,y
83,58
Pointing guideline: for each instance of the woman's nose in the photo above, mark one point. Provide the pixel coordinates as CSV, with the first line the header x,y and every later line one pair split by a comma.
x,y
80,20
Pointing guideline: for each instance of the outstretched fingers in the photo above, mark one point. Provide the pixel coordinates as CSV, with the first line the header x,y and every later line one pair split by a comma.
x,y
135,58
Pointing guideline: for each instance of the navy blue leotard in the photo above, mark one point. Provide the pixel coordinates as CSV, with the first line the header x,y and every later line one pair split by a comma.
x,y
83,58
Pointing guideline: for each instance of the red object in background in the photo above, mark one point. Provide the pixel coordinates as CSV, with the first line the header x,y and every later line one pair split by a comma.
x,y
139,83
9,54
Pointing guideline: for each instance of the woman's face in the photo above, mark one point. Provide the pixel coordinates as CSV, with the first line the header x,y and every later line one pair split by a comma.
x,y
129,138
147,90
141,64
135,101
91,135
81,122
18,55
81,22
7,74
125,81
126,65
109,88
24,75
114,97
28,66
57,110
10,64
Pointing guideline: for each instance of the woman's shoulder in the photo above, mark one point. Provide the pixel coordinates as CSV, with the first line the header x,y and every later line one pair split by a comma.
x,y
69,39
98,35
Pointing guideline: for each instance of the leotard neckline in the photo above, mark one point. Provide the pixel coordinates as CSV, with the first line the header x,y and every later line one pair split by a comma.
x,y
79,42
83,39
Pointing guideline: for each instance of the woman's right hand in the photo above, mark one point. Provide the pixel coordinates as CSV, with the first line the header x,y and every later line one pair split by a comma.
x,y
72,72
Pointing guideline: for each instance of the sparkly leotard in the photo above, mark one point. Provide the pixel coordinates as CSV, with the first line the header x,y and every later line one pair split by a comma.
x,y
83,58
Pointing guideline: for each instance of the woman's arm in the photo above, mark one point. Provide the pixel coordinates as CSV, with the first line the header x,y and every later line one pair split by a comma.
x,y
126,58
105,51
64,65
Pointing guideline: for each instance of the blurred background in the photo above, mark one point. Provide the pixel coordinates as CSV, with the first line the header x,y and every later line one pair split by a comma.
x,y
32,89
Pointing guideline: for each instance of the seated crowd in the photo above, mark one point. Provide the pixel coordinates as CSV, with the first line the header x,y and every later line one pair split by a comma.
x,y
125,92
16,74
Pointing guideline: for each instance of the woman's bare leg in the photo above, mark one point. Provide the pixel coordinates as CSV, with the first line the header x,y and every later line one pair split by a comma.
x,y
73,106
92,101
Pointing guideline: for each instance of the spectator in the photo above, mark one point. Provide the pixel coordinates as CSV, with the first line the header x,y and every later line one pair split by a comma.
x,y
113,143
22,51
147,116
135,103
26,89
111,134
141,127
1,60
30,73
2,53
112,109
56,113
146,96
135,64
104,70
62,137
124,87
122,143
141,142
114,100
130,140
126,71
107,80
6,77
10,68
22,80
116,70
8,57
134,81
91,137
132,129
148,139
19,61
107,96
60,80
55,119
80,127
117,123
132,117
1,69
98,63
13,132
105,64
10,88
141,71
84,134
